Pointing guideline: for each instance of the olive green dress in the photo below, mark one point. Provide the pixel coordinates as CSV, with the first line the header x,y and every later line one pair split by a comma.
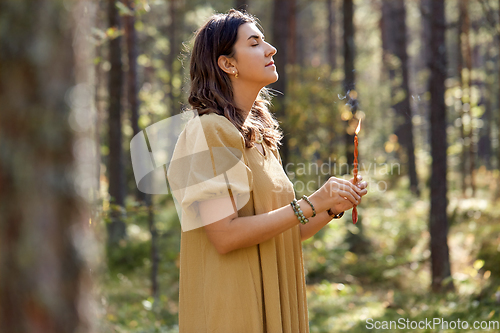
x,y
256,289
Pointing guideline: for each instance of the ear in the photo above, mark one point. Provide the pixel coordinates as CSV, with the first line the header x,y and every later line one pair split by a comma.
x,y
226,65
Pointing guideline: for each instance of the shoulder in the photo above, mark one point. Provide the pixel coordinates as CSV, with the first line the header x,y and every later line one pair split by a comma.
x,y
218,130
217,126
214,121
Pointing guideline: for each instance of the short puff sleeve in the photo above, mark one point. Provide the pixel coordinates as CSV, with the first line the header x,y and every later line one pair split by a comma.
x,y
208,162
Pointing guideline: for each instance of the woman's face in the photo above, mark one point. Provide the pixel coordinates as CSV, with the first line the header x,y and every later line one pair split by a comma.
x,y
252,56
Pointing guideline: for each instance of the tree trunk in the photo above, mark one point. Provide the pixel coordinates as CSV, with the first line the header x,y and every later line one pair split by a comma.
x,y
331,35
425,10
396,61
349,79
281,32
292,34
483,146
301,51
357,242
403,109
332,61
134,106
438,219
155,259
45,166
425,62
132,89
99,78
469,130
460,60
116,228
170,58
498,114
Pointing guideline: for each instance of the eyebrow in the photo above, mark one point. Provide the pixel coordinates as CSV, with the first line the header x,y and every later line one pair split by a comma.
x,y
256,37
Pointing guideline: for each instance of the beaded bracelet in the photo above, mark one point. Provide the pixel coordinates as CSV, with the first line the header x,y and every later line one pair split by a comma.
x,y
298,212
309,202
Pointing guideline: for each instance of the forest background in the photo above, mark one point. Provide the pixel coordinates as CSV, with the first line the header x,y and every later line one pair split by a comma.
x,y
81,249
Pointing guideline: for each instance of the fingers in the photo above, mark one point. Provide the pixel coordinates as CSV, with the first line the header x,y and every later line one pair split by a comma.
x,y
363,191
360,178
361,185
347,185
351,190
349,196
344,187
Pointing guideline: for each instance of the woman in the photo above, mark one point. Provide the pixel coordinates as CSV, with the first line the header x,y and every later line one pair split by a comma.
x,y
241,267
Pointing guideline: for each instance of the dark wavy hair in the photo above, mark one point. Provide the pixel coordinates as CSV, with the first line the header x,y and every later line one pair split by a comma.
x,y
211,88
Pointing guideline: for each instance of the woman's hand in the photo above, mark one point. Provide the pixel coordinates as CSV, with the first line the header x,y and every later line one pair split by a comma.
x,y
346,203
339,195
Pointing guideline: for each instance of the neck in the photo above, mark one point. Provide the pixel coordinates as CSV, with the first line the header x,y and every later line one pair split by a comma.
x,y
244,95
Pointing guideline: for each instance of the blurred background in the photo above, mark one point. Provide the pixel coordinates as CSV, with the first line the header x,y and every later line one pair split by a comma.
x,y
81,249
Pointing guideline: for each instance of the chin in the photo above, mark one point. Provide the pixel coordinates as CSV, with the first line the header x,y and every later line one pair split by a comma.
x,y
275,78
269,80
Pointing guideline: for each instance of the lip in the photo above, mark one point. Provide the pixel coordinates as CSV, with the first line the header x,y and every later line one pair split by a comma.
x,y
270,64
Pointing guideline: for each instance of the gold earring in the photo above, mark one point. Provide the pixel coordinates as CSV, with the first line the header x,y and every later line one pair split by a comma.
x,y
236,76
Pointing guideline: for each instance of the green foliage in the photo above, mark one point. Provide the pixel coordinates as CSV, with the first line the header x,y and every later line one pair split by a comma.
x,y
126,296
129,307
128,255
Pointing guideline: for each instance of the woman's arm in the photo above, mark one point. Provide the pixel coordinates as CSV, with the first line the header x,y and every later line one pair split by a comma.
x,y
315,224
233,232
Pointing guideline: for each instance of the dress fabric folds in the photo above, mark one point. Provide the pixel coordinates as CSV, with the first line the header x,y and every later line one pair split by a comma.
x,y
256,289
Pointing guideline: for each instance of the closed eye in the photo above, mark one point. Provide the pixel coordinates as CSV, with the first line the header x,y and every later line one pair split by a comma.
x,y
256,38
255,45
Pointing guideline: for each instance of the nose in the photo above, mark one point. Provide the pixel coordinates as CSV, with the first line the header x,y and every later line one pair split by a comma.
x,y
272,50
